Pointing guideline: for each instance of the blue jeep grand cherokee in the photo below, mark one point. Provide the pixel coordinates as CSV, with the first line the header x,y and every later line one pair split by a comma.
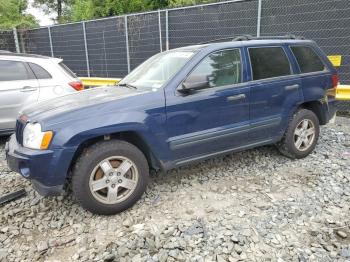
x,y
180,106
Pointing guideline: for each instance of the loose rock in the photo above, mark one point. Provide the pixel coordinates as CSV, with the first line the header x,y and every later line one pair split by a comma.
x,y
251,205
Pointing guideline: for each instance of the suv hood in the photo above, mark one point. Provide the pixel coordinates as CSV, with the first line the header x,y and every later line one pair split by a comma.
x,y
78,100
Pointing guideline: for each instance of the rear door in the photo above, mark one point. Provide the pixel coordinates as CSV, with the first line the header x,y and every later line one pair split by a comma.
x,y
275,91
18,88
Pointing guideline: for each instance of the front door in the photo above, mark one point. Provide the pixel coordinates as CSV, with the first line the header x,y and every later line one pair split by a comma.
x,y
18,88
214,118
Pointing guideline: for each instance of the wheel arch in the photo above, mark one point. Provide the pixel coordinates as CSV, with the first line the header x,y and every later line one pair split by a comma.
x,y
131,137
317,107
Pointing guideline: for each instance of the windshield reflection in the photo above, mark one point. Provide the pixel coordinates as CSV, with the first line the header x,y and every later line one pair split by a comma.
x,y
157,70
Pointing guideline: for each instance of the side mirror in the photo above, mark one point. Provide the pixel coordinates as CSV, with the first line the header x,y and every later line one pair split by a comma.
x,y
195,82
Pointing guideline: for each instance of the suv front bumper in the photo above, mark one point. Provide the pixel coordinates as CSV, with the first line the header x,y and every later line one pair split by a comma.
x,y
39,166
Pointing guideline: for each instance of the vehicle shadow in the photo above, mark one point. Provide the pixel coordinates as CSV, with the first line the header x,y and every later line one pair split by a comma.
x,y
208,169
3,140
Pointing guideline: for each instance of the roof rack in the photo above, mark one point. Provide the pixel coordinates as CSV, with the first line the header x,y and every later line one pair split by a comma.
x,y
23,55
250,37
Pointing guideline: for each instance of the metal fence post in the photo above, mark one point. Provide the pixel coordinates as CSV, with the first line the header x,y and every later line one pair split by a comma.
x,y
160,32
127,42
86,51
258,26
50,38
167,29
21,42
15,36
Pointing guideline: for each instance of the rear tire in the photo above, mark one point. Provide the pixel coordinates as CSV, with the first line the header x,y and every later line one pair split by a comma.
x,y
110,177
301,136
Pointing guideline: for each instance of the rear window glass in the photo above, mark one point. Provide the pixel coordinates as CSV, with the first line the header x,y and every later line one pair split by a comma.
x,y
39,72
268,62
67,70
307,59
14,70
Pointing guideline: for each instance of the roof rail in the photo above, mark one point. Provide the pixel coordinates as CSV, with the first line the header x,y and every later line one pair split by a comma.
x,y
250,37
23,55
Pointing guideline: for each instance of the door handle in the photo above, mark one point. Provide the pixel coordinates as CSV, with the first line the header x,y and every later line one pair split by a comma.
x,y
28,89
236,97
291,87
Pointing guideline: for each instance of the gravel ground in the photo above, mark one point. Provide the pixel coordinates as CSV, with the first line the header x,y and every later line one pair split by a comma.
x,y
254,205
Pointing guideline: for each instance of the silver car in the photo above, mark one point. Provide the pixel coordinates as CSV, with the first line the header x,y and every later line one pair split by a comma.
x,y
28,79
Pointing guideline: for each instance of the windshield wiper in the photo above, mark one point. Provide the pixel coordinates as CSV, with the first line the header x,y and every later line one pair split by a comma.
x,y
127,85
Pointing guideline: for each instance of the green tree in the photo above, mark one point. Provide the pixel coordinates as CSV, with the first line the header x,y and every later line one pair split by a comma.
x,y
60,7
82,10
178,3
158,4
78,10
118,7
12,14
88,9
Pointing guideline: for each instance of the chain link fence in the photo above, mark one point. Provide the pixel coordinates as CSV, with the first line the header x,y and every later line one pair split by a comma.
x,y
36,41
106,45
7,41
193,25
325,21
111,47
144,37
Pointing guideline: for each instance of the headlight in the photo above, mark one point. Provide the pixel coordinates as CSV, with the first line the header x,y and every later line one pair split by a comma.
x,y
35,139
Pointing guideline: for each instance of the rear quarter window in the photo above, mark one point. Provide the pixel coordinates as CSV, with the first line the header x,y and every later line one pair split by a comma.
x,y
39,72
307,59
268,62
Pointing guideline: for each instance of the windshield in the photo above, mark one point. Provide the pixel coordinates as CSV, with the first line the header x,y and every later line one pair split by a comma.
x,y
157,70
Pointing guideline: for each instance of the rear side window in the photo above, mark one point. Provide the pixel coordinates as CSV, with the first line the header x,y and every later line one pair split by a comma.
x,y
14,70
307,59
67,70
39,72
268,62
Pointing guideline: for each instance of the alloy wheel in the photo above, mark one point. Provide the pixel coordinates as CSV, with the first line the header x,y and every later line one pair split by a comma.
x,y
304,135
113,180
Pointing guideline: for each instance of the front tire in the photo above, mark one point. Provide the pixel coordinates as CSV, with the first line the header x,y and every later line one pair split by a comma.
x,y
301,136
109,177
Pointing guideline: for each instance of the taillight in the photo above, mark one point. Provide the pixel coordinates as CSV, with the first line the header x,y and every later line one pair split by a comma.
x,y
335,81
77,85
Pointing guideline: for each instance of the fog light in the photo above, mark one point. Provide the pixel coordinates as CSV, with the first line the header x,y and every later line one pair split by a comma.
x,y
25,171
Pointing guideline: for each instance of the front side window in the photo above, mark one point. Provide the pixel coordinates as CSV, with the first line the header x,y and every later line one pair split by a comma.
x,y
268,62
219,69
307,59
14,70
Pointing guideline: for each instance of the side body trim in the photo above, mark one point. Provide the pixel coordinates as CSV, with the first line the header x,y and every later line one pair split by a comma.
x,y
231,150
197,138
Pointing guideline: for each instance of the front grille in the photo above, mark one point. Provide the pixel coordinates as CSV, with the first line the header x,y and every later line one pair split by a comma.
x,y
19,131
